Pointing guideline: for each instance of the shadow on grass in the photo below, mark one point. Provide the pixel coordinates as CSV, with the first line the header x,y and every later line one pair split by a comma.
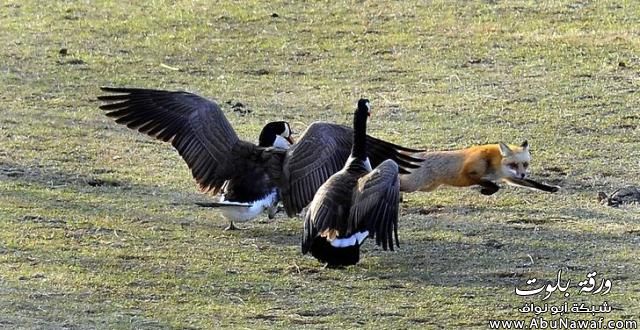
x,y
520,215
487,255
55,178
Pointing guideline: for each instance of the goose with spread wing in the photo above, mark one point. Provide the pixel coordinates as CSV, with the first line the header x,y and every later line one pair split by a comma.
x,y
355,203
203,136
245,197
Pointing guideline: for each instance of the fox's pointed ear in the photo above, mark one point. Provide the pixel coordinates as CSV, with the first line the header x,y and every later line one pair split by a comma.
x,y
525,145
504,150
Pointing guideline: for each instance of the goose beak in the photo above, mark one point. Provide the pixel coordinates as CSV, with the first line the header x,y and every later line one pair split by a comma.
x,y
290,139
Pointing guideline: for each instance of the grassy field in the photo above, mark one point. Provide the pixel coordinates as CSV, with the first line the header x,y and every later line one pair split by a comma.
x,y
97,223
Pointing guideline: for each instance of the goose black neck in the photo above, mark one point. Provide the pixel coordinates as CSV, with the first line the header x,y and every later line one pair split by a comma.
x,y
359,148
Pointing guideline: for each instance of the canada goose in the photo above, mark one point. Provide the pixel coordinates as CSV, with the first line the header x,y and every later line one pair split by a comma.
x,y
353,204
245,197
204,138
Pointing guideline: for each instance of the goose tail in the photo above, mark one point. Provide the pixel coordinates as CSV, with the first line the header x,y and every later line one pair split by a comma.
x,y
222,204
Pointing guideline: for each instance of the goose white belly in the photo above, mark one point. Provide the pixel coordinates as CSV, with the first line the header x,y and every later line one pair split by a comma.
x,y
355,239
238,211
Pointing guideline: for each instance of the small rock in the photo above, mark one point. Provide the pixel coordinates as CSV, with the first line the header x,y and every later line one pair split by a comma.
x,y
63,51
75,61
239,107
258,72
32,218
624,195
602,197
95,182
14,173
493,243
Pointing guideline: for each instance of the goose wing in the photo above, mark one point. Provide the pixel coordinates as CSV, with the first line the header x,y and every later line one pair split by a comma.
x,y
320,152
195,126
329,210
375,205
381,150
323,150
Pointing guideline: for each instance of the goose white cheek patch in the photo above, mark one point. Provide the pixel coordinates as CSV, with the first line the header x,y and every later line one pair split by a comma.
x,y
281,142
352,240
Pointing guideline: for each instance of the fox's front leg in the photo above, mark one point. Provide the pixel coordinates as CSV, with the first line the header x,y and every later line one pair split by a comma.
x,y
533,184
488,187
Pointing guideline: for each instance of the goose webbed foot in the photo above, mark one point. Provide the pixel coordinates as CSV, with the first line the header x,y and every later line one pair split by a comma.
x,y
272,213
231,226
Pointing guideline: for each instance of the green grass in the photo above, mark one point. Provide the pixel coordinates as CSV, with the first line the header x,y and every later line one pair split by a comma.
x,y
98,227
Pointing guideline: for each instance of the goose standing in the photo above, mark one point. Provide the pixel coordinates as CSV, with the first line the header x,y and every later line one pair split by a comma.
x,y
353,204
204,138
245,197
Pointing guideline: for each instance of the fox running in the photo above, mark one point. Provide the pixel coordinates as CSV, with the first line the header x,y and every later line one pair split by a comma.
x,y
482,165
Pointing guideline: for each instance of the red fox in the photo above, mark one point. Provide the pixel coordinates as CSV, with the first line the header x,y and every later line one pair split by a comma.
x,y
482,165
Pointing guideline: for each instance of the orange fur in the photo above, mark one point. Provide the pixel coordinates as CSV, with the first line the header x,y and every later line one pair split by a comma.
x,y
465,167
